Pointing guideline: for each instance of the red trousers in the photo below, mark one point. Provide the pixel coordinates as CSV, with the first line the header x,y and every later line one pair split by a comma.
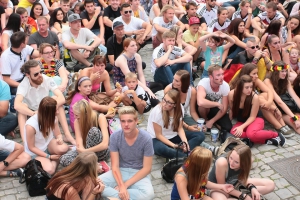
x,y
255,131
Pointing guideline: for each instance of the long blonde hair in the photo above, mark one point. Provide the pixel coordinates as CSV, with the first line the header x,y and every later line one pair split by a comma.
x,y
77,175
88,118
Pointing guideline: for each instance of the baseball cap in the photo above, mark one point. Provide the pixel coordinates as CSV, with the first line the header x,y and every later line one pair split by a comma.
x,y
73,17
194,20
117,24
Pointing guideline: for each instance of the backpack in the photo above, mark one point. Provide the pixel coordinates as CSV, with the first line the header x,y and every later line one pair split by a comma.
x,y
114,125
36,178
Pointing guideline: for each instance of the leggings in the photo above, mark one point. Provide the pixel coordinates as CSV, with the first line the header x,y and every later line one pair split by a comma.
x,y
94,137
154,87
255,131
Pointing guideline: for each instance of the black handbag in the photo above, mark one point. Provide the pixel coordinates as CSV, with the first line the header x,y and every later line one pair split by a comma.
x,y
36,178
289,101
170,168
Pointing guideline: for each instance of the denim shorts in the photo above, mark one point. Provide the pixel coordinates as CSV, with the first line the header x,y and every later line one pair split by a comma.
x,y
3,155
34,156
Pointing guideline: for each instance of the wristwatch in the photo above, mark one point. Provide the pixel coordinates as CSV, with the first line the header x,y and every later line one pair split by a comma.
x,y
5,163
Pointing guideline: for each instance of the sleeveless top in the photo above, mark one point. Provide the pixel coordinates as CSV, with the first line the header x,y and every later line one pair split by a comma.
x,y
186,104
97,87
230,178
118,74
200,193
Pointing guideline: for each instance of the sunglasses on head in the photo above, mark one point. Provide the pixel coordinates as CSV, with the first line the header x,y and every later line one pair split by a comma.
x,y
254,47
128,11
36,74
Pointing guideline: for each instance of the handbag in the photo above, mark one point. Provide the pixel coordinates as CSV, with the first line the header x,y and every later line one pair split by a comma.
x,y
240,187
289,101
36,178
114,125
170,168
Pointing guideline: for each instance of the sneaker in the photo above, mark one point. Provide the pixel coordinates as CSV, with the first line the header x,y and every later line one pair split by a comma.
x,y
286,131
282,139
273,141
15,173
216,151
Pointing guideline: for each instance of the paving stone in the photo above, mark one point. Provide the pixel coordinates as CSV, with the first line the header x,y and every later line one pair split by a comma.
x,y
156,174
281,183
5,186
284,193
159,188
272,196
293,190
266,148
23,195
2,193
288,154
8,197
267,173
10,191
280,151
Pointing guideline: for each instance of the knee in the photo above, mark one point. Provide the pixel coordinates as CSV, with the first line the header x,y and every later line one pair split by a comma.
x,y
271,185
148,194
49,168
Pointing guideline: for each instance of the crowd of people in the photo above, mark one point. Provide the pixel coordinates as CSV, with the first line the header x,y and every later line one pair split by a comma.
x,y
59,56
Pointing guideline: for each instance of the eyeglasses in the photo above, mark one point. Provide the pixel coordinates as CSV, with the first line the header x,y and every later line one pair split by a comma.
x,y
254,47
127,11
167,102
36,74
49,53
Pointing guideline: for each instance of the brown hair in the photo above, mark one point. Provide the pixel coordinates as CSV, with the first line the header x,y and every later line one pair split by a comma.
x,y
238,95
175,96
199,162
247,69
71,93
25,69
168,34
272,5
244,2
190,3
245,155
43,46
78,175
98,59
233,28
279,85
41,18
221,9
165,9
21,10
213,68
88,118
127,41
185,80
46,115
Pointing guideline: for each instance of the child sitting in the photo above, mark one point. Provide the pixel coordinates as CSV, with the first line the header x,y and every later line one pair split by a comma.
x,y
134,95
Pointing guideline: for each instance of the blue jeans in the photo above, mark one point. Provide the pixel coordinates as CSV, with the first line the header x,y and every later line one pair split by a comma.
x,y
164,75
204,74
161,149
3,155
142,189
238,49
234,4
8,123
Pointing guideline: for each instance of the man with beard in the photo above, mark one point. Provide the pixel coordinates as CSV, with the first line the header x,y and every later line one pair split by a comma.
x,y
12,60
34,87
251,54
212,99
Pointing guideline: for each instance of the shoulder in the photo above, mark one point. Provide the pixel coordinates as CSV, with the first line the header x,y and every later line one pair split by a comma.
x,y
222,162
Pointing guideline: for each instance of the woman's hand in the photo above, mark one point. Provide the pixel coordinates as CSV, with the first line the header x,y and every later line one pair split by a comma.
x,y
277,114
123,193
184,147
238,131
255,194
62,88
151,94
80,149
98,188
54,157
59,140
193,128
95,76
227,187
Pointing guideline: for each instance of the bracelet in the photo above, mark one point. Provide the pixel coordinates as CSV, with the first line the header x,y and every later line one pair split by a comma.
x,y
242,196
47,156
295,118
249,13
250,186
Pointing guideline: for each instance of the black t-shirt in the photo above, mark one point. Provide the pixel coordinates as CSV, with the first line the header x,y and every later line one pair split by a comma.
x,y
111,14
185,19
113,47
85,15
1,12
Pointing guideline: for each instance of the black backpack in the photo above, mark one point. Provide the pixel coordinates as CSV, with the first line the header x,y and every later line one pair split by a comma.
x,y
36,178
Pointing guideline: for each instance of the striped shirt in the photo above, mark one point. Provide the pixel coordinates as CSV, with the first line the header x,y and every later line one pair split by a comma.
x,y
208,15
215,26
264,17
237,14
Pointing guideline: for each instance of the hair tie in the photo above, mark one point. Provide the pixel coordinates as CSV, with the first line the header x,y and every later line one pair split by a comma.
x,y
83,79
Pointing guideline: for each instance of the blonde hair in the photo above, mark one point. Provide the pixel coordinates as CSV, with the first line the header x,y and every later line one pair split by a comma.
x,y
130,75
88,118
169,34
165,8
127,110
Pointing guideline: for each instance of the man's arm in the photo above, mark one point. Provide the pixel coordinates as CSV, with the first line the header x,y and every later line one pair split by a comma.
x,y
89,24
71,45
22,107
162,60
184,58
34,46
35,54
107,21
181,25
202,101
111,59
160,29
12,156
147,165
59,97
10,81
256,24
148,28
221,112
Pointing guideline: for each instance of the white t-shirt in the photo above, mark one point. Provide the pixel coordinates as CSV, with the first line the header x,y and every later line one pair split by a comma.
x,y
264,17
135,23
215,26
83,37
160,21
11,62
6,145
237,14
33,96
159,52
140,92
156,116
210,94
208,15
40,142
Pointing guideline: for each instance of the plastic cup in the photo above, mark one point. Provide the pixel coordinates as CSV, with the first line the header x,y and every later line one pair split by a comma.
x,y
214,134
200,123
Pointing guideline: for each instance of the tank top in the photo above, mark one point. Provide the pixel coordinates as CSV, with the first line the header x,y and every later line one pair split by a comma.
x,y
186,104
118,74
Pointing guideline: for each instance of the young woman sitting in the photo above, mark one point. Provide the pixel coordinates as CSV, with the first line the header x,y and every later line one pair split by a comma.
x,y
43,139
244,106
91,133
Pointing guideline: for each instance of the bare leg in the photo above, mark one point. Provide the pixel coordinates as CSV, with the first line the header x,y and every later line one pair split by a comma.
x,y
48,165
286,119
63,122
22,120
79,57
203,112
264,186
19,162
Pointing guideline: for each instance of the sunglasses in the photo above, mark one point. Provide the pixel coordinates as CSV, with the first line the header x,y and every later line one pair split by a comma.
x,y
36,74
167,102
128,11
254,47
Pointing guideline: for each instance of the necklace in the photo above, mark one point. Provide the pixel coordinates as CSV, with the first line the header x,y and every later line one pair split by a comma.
x,y
49,70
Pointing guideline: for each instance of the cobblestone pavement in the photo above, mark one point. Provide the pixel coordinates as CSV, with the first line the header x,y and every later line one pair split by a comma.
x,y
10,189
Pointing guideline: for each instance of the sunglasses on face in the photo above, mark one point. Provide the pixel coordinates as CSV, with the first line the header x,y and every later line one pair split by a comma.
x,y
36,74
128,11
254,47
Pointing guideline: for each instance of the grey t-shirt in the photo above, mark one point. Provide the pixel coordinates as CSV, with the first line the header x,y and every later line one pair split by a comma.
x,y
37,39
131,156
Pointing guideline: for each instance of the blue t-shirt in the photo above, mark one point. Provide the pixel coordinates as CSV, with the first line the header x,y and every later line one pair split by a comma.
x,y
213,58
131,156
4,91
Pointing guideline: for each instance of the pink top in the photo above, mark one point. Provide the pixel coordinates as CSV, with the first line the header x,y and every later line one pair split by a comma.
x,y
97,87
77,97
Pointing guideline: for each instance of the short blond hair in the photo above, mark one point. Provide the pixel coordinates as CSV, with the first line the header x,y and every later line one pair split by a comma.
x,y
168,34
213,68
165,8
127,110
130,75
